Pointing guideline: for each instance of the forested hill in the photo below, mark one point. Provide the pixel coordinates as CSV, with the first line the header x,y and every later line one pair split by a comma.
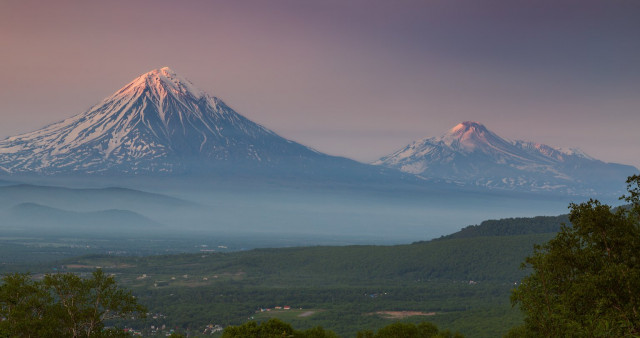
x,y
481,258
492,250
512,226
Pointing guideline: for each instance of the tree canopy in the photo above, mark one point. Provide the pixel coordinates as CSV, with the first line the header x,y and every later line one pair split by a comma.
x,y
277,328
63,305
586,281
409,330
273,328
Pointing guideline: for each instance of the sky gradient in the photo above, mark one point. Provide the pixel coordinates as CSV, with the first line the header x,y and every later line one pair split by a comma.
x,y
353,78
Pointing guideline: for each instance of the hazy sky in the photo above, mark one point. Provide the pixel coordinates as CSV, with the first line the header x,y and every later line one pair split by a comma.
x,y
352,78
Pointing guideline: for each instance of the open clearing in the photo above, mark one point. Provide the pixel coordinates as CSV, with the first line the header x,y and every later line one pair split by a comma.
x,y
287,314
402,314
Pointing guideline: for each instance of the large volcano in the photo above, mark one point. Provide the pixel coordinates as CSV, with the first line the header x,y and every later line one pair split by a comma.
x,y
470,154
160,123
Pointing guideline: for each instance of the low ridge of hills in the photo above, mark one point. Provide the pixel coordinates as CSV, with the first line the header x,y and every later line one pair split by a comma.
x,y
84,199
29,218
27,209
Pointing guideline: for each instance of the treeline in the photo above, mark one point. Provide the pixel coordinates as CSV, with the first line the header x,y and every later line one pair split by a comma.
x,y
277,328
512,226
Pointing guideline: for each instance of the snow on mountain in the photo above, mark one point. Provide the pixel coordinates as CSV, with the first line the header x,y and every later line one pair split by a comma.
x,y
470,154
158,123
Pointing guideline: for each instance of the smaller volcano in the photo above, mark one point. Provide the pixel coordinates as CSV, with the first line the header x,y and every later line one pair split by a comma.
x,y
471,154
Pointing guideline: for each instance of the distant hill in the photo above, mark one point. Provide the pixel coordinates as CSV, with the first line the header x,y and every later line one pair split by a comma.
x,y
85,199
31,217
478,258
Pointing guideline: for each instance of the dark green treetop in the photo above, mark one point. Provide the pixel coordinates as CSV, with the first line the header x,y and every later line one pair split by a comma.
x,y
63,305
586,281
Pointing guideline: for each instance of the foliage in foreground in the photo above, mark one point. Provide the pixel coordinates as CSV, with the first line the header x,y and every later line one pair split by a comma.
x,y
277,328
273,328
409,330
586,281
63,305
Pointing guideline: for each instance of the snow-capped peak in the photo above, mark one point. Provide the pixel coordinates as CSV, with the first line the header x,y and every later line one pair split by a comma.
x,y
161,82
467,126
159,122
469,136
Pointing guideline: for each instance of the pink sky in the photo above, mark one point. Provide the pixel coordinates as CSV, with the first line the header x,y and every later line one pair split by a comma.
x,y
352,78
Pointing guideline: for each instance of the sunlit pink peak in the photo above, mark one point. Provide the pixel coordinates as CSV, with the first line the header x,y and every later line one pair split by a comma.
x,y
467,126
468,135
161,82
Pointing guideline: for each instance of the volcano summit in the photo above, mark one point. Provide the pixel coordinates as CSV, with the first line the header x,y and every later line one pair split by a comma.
x,y
159,123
